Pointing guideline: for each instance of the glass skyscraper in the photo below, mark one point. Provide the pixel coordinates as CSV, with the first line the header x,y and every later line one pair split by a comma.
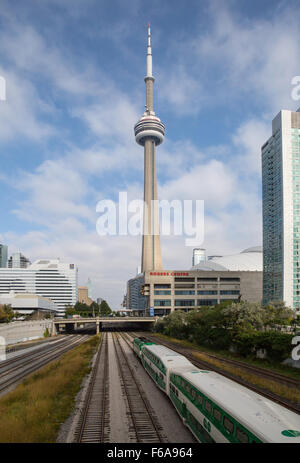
x,y
3,255
281,210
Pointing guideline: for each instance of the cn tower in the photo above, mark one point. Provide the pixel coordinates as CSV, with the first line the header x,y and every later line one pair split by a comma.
x,y
149,132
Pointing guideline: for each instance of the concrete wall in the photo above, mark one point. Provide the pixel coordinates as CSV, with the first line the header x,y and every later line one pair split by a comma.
x,y
251,286
15,332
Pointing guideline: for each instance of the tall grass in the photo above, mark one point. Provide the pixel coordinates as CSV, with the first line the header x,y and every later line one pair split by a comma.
x,y
35,410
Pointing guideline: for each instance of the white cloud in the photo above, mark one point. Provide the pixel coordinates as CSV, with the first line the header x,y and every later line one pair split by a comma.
x,y
20,113
256,58
183,92
248,139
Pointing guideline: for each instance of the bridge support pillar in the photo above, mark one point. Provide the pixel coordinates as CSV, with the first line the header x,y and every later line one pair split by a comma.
x,y
54,329
97,327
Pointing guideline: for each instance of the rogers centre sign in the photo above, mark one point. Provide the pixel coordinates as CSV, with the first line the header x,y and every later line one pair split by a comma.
x,y
176,274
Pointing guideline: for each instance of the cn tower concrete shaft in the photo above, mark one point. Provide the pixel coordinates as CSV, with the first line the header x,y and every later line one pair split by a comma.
x,y
151,252
149,132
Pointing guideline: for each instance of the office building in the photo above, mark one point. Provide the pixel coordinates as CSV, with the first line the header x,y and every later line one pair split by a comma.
x,y
49,278
135,301
3,255
83,295
17,260
198,256
26,303
281,211
230,278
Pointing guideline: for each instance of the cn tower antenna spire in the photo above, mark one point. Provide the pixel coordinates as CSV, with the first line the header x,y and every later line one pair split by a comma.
x,y
149,54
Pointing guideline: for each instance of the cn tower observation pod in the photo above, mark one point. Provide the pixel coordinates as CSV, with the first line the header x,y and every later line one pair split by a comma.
x,y
149,127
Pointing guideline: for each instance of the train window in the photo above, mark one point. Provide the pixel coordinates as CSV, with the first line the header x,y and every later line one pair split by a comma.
x,y
193,393
217,414
199,399
208,406
242,436
228,424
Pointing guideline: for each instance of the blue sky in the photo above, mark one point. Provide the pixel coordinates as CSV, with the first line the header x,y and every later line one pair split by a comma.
x,y
74,72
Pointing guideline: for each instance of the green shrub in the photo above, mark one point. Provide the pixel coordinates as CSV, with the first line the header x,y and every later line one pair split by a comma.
x,y
278,345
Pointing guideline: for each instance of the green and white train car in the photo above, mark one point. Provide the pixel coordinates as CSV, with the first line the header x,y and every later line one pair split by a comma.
x,y
217,409
157,361
138,343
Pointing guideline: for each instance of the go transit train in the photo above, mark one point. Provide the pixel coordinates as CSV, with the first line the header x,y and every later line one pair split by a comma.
x,y
215,408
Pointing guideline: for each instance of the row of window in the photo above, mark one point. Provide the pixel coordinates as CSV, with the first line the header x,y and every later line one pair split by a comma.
x,y
155,360
186,279
190,302
189,292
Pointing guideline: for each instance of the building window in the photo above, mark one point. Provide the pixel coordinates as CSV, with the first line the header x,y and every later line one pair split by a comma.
x,y
162,285
162,303
201,302
184,302
207,292
187,285
229,291
184,292
229,279
162,292
184,279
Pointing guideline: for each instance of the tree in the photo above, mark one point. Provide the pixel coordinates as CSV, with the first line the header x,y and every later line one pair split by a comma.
x,y
104,308
70,311
95,308
6,313
244,316
81,307
276,313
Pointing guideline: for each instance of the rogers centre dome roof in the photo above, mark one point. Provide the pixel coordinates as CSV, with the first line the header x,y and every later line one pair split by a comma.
x,y
251,259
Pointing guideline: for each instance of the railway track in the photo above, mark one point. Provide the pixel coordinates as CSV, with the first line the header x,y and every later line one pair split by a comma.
x,y
94,424
26,345
144,424
260,372
12,376
23,358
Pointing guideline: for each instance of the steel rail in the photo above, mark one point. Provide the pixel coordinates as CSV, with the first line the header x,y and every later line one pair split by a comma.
x,y
145,423
94,423
38,364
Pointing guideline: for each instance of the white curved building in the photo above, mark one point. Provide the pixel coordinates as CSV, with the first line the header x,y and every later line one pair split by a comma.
x,y
249,260
49,278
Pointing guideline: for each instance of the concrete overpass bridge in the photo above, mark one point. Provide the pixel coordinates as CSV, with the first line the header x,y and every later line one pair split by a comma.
x,y
73,323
